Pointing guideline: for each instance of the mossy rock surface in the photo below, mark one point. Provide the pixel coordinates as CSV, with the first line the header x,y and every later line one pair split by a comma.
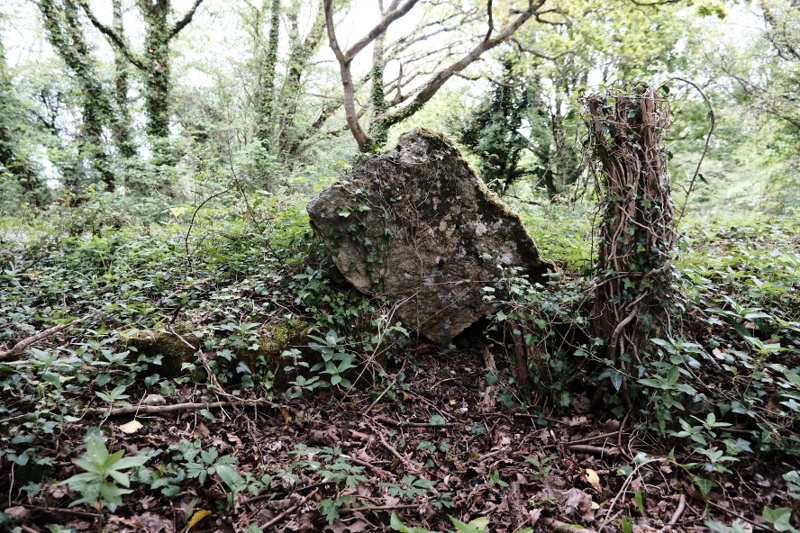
x,y
158,344
172,352
416,224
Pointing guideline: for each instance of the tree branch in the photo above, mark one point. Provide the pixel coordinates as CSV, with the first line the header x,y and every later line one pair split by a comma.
x,y
185,20
433,86
114,39
380,28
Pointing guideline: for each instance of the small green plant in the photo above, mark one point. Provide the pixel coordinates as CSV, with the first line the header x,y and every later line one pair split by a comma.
x,y
409,488
541,467
100,486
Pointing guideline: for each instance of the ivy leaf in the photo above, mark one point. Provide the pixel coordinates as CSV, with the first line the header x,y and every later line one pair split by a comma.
x,y
779,518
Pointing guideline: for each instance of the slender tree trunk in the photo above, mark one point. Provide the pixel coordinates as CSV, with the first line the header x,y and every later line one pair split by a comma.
x,y
633,290
378,130
289,139
65,33
266,102
157,62
122,122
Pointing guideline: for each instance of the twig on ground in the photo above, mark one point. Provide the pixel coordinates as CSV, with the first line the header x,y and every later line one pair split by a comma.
x,y
368,508
394,451
158,409
677,514
396,423
593,438
488,396
485,456
288,511
55,510
627,455
18,348
735,514
594,450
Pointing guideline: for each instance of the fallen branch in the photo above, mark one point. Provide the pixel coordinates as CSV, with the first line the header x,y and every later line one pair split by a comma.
x,y
393,451
593,450
288,511
159,409
678,512
367,508
24,343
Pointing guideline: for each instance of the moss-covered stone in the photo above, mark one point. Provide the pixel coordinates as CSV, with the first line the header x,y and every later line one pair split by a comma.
x,y
171,352
165,346
417,225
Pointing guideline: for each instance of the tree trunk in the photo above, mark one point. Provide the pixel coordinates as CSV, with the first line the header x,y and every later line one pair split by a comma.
x,y
265,104
157,63
122,121
65,34
633,291
290,136
378,130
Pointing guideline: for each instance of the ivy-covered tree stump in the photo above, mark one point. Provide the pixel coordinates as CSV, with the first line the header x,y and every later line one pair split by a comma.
x,y
633,289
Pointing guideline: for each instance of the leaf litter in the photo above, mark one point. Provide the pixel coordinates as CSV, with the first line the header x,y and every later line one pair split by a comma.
x,y
430,451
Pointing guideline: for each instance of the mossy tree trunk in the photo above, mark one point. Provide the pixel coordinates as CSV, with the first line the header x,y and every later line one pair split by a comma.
x,y
122,123
153,64
265,103
378,129
292,134
13,161
633,291
65,34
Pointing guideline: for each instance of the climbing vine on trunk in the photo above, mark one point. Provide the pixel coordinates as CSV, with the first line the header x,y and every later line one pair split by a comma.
x,y
633,289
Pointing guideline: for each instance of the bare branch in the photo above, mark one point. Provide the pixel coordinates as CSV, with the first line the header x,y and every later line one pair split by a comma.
x,y
380,28
185,20
490,21
433,86
114,39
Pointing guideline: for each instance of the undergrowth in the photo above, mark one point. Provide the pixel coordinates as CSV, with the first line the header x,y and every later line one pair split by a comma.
x,y
721,389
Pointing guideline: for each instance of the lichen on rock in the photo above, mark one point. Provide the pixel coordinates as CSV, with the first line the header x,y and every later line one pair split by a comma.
x,y
417,225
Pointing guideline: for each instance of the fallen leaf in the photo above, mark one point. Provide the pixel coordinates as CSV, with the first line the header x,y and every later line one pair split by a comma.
x,y
201,430
17,514
131,427
593,478
237,442
196,518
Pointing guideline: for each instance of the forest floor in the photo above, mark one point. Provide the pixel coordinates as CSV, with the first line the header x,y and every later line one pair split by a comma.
x,y
97,437
431,443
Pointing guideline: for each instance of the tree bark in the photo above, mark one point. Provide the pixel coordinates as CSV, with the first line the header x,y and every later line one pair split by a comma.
x,y
65,34
289,139
633,286
122,122
266,100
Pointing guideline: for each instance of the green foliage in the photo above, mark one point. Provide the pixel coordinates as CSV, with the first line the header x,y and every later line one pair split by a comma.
x,y
94,485
494,134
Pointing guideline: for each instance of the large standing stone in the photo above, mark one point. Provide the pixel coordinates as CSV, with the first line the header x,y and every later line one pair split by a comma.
x,y
417,225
